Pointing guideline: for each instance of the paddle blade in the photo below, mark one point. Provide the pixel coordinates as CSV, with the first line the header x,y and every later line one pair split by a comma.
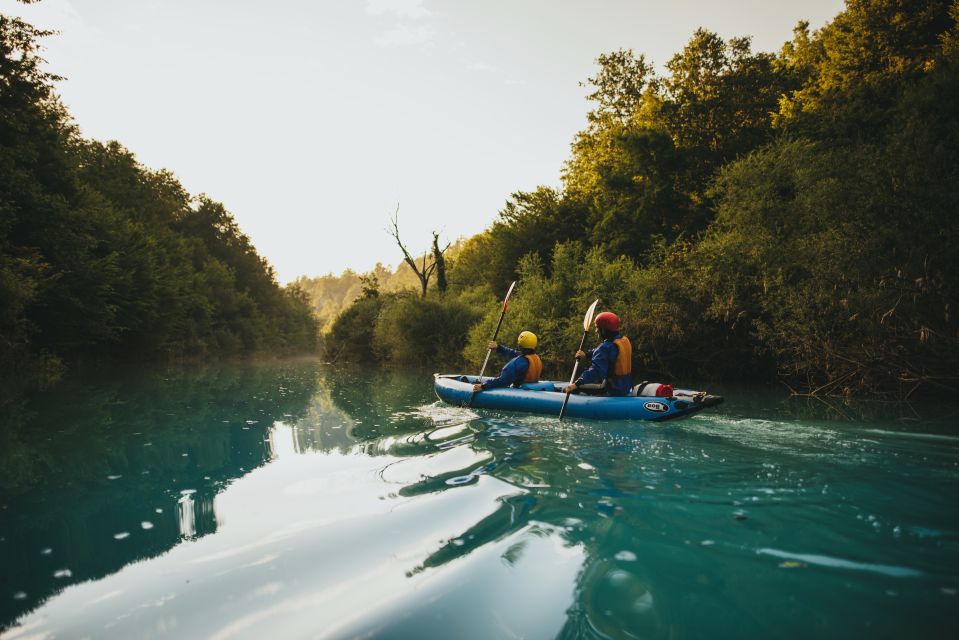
x,y
588,319
508,294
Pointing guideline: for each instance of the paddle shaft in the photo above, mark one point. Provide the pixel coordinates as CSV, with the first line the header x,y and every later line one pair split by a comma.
x,y
572,378
495,334
490,351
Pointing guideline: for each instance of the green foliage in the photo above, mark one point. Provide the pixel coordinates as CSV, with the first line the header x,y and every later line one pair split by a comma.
x,y
413,330
530,222
859,65
350,338
403,328
634,199
749,215
618,87
101,256
816,249
552,306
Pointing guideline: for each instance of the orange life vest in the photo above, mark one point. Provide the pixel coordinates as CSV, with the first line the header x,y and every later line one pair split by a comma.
x,y
624,359
535,367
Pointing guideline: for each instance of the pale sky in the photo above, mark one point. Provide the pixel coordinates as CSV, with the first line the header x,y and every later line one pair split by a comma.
x,y
311,119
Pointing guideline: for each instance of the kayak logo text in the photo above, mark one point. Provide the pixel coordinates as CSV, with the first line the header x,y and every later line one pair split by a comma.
x,y
658,407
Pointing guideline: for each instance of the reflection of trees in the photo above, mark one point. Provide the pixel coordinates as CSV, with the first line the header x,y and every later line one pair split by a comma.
x,y
99,456
382,402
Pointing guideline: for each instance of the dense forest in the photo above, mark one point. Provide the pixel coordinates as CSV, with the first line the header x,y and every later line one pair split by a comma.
x,y
782,216
102,257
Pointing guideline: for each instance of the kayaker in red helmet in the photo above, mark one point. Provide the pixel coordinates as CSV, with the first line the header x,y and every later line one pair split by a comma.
x,y
611,363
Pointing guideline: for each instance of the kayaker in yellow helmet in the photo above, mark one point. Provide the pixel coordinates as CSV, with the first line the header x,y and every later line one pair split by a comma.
x,y
524,366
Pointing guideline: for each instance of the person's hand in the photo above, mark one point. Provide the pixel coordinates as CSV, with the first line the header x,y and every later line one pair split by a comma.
x,y
570,388
477,388
580,354
492,345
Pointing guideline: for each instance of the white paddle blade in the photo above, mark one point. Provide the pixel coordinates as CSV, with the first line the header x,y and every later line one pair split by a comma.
x,y
508,294
588,320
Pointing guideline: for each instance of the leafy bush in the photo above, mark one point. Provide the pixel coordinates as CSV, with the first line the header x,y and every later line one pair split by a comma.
x,y
415,330
351,337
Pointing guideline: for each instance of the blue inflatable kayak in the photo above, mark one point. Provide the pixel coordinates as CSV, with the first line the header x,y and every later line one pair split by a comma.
x,y
545,397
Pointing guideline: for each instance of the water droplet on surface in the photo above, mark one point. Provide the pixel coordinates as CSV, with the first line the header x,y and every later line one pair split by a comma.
x,y
626,556
62,573
121,535
114,477
619,577
46,552
20,595
146,524
643,603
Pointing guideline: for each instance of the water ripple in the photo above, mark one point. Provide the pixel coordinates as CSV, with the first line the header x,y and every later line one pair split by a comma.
x,y
839,563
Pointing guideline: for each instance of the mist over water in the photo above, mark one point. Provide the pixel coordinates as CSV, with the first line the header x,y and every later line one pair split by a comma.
x,y
298,500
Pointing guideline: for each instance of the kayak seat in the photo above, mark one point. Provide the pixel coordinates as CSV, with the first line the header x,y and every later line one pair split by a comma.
x,y
538,386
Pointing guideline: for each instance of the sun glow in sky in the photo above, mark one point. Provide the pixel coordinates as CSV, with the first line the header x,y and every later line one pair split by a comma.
x,y
310,120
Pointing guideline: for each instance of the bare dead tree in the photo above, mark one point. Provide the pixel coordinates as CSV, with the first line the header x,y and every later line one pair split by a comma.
x,y
428,262
440,263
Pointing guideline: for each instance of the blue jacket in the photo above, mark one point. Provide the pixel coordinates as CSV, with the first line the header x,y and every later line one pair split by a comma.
x,y
514,371
602,359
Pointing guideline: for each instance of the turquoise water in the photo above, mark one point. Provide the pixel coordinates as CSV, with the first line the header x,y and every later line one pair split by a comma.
x,y
292,500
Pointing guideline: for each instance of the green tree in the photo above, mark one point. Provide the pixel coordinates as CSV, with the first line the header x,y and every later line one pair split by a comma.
x,y
101,257
717,102
413,330
618,87
860,61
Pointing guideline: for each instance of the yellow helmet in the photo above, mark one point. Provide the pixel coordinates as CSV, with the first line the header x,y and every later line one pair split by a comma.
x,y
527,340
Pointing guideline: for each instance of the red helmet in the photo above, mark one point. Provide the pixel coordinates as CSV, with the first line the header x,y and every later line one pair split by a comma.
x,y
608,321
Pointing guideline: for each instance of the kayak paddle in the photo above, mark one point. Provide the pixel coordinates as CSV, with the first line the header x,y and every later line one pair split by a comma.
x,y
587,322
495,333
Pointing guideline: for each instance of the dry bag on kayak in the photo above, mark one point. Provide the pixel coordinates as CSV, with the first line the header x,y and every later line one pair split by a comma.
x,y
653,390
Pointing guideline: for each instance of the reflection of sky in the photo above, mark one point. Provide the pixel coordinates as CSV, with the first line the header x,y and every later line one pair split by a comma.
x,y
282,439
320,544
186,517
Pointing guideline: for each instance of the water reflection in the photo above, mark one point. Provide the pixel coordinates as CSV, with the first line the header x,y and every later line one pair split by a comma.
x,y
671,523
349,503
109,468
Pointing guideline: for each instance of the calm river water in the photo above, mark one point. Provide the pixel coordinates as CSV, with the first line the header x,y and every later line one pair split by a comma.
x,y
293,500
